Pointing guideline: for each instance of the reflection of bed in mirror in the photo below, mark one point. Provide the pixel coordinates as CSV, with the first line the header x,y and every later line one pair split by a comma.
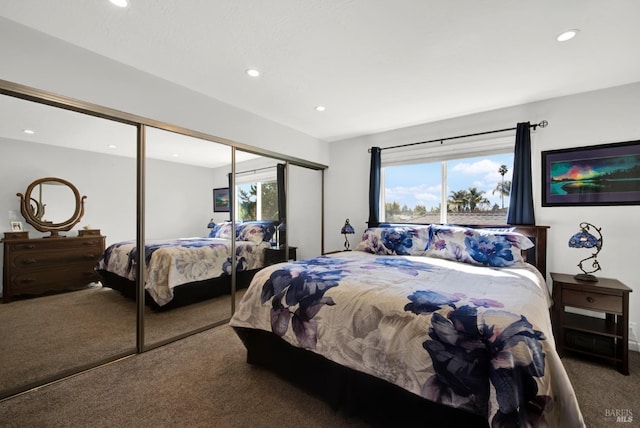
x,y
188,270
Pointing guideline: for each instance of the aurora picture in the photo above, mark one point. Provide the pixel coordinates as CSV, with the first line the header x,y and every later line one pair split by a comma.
x,y
595,175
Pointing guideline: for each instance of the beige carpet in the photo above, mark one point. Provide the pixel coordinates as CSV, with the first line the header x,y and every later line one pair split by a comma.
x,y
203,381
43,336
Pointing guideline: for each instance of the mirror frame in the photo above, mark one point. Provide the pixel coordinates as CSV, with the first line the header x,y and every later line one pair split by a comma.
x,y
41,225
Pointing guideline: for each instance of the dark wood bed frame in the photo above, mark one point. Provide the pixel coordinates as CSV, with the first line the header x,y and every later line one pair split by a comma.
x,y
354,393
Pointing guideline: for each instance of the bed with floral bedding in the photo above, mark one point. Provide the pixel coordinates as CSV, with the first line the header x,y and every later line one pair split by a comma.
x,y
428,325
190,268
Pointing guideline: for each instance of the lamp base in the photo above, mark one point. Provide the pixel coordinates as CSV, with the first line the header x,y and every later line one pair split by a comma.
x,y
585,277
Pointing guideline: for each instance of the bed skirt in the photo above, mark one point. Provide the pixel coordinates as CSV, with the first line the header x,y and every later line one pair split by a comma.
x,y
183,295
351,392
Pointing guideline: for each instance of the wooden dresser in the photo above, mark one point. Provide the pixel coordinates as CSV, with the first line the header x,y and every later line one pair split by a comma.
x,y
36,266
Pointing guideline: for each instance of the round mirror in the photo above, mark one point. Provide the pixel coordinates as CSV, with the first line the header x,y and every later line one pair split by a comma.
x,y
52,205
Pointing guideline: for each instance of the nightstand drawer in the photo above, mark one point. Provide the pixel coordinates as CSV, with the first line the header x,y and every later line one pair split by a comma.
x,y
594,301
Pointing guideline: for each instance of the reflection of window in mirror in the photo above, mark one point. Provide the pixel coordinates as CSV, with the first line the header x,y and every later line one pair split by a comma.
x,y
257,201
256,192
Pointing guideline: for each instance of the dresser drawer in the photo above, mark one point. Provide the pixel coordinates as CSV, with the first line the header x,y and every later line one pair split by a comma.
x,y
45,259
54,244
69,276
593,301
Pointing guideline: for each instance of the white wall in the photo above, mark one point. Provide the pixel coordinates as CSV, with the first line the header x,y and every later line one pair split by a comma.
x,y
42,62
179,197
598,117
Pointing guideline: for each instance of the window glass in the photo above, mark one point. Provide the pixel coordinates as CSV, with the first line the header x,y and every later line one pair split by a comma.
x,y
473,190
257,201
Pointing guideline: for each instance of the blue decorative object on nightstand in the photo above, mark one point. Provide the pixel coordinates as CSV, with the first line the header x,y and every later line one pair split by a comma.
x,y
584,239
347,229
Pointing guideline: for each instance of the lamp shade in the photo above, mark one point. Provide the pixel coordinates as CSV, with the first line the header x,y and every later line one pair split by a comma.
x,y
584,239
347,229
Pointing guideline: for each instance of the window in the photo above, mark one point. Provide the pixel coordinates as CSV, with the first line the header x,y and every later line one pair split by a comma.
x,y
257,201
473,190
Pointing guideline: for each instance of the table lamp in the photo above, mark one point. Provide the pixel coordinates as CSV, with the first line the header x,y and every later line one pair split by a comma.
x,y
584,239
347,229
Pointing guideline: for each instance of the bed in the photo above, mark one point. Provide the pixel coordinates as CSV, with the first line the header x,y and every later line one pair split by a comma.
x,y
426,325
188,270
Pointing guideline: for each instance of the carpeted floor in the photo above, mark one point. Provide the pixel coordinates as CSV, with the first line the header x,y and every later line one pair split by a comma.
x,y
203,381
44,336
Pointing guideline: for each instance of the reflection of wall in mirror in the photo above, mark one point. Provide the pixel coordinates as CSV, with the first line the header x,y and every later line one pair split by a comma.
x,y
59,200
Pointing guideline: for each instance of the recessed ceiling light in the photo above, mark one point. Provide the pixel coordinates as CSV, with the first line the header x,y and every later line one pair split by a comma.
x,y
567,35
253,72
120,3
320,108
28,131
175,155
112,146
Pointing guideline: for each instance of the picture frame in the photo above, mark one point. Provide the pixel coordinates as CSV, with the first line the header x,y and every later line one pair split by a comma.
x,y
221,200
16,226
605,174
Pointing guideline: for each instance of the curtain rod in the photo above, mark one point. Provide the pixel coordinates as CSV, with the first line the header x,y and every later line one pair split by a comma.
x,y
542,124
256,170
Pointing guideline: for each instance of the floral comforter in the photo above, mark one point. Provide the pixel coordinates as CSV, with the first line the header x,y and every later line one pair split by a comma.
x,y
179,261
470,337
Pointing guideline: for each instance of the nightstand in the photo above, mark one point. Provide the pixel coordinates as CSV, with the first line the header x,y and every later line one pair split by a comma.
x,y
606,338
277,255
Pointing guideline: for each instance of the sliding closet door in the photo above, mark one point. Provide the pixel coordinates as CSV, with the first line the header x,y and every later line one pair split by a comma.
x,y
46,330
189,288
305,211
259,208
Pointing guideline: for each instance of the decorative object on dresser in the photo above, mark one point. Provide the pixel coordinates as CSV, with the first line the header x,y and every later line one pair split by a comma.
x,y
347,229
584,239
61,200
607,337
36,266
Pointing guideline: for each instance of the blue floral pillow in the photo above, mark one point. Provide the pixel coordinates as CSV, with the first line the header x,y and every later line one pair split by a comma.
x,y
400,240
477,246
255,231
221,230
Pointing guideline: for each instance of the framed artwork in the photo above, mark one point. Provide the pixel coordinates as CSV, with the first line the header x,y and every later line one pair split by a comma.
x,y
606,174
16,226
221,200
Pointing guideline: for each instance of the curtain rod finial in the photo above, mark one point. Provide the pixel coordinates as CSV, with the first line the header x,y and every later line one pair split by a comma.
x,y
543,124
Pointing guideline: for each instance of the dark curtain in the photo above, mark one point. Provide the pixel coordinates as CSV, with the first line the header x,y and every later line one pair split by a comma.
x,y
521,202
374,188
231,195
282,205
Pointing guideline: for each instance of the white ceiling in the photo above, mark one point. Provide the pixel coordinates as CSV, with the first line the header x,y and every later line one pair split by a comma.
x,y
375,64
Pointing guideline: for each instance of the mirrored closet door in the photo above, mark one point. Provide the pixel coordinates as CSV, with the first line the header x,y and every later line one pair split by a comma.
x,y
259,209
305,211
76,176
188,269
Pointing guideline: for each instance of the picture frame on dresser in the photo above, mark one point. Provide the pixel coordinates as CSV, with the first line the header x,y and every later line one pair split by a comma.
x,y
16,226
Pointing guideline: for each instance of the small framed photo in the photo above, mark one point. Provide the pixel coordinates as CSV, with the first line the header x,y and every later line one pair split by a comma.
x,y
221,200
16,226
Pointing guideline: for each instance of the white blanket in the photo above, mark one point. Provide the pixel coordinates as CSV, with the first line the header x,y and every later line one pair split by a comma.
x,y
470,337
